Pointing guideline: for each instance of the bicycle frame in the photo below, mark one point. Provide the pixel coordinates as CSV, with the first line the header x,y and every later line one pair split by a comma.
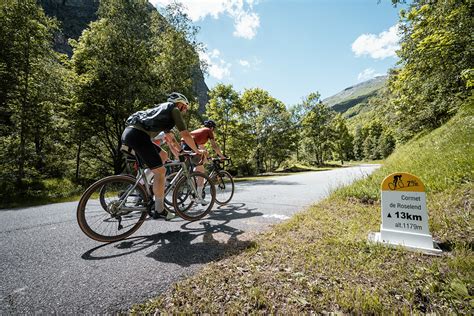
x,y
216,167
141,176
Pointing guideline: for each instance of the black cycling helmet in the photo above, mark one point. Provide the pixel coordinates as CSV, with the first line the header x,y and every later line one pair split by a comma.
x,y
210,124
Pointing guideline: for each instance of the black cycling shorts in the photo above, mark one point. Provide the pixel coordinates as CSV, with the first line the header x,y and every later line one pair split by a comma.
x,y
140,141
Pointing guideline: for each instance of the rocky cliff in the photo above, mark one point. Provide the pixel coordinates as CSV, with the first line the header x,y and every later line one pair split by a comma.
x,y
75,15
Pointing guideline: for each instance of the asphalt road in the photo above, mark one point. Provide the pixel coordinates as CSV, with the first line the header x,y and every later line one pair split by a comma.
x,y
47,265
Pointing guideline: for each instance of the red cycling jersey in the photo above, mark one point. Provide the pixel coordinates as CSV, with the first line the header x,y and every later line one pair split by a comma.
x,y
202,135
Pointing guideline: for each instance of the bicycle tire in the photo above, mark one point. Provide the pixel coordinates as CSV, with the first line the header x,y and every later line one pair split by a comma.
x,y
87,203
224,184
184,200
102,191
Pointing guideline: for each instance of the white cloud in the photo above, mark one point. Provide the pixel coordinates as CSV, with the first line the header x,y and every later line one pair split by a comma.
x,y
367,74
378,46
246,25
246,22
244,63
218,67
198,9
250,64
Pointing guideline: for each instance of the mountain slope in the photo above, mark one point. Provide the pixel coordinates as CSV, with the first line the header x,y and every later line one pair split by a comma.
x,y
354,95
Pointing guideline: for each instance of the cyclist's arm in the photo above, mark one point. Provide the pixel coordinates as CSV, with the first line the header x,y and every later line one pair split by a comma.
x,y
181,126
216,148
172,144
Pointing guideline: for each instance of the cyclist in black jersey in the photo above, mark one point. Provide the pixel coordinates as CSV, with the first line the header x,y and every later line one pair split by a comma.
x,y
143,126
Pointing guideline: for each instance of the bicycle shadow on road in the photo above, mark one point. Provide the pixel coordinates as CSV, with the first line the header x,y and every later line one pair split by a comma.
x,y
195,243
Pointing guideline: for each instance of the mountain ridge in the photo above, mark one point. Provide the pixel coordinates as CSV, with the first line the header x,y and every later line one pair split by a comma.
x,y
355,94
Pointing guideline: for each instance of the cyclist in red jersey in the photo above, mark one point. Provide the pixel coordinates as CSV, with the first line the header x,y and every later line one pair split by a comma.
x,y
201,136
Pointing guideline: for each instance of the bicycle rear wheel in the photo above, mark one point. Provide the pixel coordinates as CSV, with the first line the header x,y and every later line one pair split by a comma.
x,y
189,206
224,184
102,216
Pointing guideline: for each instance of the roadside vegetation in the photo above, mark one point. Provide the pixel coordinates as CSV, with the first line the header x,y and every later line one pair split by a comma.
x,y
62,117
320,260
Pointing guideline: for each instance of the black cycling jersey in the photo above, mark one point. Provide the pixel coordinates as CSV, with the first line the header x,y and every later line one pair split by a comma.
x,y
144,125
161,118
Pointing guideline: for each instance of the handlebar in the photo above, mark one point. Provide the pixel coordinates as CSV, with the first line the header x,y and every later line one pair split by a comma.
x,y
225,161
184,154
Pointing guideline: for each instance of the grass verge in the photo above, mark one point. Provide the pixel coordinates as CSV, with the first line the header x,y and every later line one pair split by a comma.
x,y
320,261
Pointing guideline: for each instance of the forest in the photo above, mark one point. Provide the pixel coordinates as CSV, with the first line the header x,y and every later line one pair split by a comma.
x,y
62,118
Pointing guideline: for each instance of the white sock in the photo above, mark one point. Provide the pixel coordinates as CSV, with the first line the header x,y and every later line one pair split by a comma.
x,y
159,205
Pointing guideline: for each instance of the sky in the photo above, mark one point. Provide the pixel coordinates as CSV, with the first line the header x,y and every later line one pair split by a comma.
x,y
292,48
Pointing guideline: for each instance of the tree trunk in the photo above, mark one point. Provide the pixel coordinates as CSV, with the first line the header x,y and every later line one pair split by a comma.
x,y
40,159
119,162
23,114
78,159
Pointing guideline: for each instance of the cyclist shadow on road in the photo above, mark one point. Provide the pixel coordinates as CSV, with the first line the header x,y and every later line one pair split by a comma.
x,y
198,242
200,245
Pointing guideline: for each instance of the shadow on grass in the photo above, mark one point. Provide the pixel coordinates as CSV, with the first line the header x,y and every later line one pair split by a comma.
x,y
196,243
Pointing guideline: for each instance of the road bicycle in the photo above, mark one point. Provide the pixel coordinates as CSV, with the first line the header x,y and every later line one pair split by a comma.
x,y
222,180
115,207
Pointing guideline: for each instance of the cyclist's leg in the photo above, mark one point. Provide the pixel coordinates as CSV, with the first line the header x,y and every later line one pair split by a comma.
x,y
200,180
164,155
153,160
200,168
149,153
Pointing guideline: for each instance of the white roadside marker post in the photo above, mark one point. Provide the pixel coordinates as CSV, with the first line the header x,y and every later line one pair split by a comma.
x,y
404,214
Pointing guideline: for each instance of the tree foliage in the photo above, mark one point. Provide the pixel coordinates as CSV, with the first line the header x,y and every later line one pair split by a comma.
x,y
316,129
342,142
268,122
34,89
112,59
436,48
128,60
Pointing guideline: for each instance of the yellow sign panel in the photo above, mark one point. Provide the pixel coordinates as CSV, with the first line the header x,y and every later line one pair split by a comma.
x,y
402,181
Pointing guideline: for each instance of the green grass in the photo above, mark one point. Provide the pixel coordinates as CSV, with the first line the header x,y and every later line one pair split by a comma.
x,y
320,261
442,159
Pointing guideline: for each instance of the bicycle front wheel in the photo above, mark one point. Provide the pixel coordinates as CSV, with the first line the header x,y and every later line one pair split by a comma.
x,y
190,204
112,209
224,184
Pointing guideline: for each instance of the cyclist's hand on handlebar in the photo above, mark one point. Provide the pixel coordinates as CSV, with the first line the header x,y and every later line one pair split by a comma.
x,y
202,152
